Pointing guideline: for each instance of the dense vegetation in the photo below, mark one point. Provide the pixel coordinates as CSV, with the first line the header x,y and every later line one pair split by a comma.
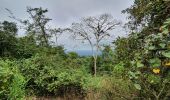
x,y
137,68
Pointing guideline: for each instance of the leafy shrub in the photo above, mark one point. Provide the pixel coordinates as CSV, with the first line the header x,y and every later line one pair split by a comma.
x,y
17,87
49,74
150,72
119,70
12,82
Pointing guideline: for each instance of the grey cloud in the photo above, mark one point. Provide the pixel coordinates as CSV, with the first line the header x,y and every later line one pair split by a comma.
x,y
64,12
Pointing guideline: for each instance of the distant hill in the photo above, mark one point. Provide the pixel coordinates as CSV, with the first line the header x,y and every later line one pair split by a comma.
x,y
83,52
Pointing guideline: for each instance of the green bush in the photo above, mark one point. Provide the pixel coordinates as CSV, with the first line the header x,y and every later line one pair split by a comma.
x,y
12,83
47,74
17,87
119,70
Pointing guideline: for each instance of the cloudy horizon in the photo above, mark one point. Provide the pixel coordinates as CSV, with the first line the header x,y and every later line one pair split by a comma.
x,y
64,12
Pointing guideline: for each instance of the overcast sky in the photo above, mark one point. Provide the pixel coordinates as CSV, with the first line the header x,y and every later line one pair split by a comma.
x,y
64,12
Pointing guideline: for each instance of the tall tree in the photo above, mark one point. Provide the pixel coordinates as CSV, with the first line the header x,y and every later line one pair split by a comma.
x,y
8,31
39,25
94,30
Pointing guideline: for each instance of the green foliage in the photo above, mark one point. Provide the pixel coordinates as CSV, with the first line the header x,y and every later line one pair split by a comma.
x,y
137,68
127,48
5,76
72,55
151,78
112,88
38,28
50,72
137,86
119,70
144,57
17,88
155,62
7,38
25,47
12,82
150,14
106,60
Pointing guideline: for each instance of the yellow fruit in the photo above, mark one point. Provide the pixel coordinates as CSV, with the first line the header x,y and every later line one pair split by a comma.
x,y
167,64
156,70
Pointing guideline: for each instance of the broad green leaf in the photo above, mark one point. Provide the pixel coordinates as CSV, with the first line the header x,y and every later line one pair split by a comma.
x,y
132,62
132,75
168,20
166,54
151,47
137,86
139,64
166,31
155,62
162,45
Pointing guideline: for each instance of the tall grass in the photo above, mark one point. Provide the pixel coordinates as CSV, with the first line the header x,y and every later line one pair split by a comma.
x,y
113,89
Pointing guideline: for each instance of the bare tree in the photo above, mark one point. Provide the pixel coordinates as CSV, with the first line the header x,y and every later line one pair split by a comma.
x,y
57,33
94,30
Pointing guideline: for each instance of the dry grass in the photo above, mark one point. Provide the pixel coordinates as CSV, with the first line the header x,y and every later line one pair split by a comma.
x,y
53,98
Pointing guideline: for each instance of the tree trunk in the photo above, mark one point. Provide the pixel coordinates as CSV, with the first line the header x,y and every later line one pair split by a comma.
x,y
95,65
44,35
56,40
95,62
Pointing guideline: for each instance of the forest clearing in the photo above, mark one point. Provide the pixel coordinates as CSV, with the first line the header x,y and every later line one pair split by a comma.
x,y
37,61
